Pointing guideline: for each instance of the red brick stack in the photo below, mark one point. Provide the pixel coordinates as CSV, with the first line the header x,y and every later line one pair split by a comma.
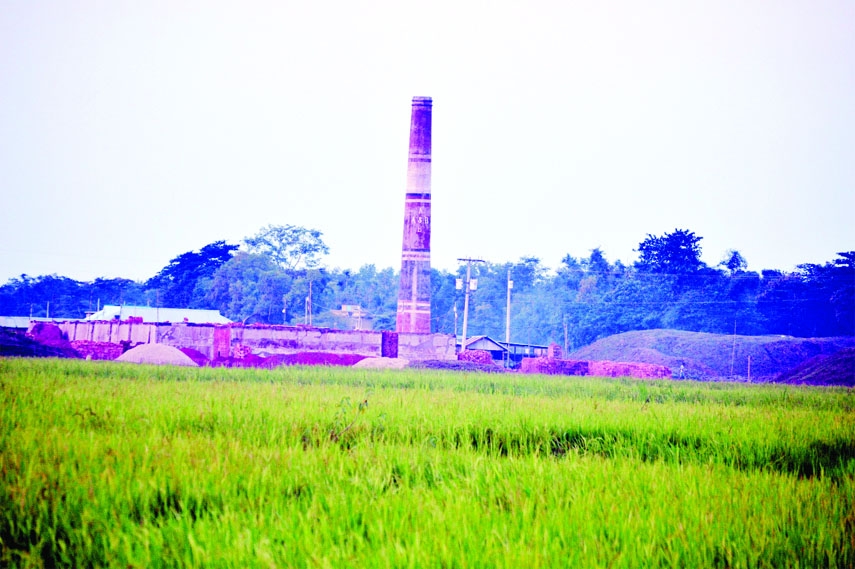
x,y
477,356
97,350
240,351
624,369
553,366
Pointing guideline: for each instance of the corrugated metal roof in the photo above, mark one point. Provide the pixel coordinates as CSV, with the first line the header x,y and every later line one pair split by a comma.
x,y
483,343
153,314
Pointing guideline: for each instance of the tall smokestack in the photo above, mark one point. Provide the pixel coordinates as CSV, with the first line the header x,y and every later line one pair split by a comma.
x,y
414,292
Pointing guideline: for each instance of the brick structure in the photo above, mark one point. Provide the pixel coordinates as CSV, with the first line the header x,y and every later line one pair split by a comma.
x,y
218,342
414,293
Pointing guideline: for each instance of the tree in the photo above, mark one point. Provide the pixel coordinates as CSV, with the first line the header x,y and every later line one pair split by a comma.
x,y
443,297
374,291
41,296
117,291
734,262
677,253
527,272
177,282
828,296
570,271
310,284
596,263
290,246
843,292
67,297
250,288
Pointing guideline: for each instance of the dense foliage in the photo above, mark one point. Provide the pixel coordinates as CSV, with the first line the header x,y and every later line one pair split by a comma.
x,y
277,278
115,465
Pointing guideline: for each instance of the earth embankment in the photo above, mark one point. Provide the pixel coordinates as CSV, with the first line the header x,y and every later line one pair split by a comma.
x,y
707,356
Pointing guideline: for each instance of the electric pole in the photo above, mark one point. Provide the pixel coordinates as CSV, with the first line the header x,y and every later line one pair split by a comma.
x,y
308,317
508,322
470,285
565,336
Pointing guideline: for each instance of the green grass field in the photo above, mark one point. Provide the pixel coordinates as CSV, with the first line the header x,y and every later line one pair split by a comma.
x,y
104,464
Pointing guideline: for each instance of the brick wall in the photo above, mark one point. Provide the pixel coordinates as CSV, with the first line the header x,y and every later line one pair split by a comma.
x,y
213,340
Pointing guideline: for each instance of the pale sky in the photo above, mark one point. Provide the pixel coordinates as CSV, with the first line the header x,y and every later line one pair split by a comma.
x,y
132,132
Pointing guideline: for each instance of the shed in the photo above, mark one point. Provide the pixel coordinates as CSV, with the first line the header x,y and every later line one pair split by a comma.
x,y
155,314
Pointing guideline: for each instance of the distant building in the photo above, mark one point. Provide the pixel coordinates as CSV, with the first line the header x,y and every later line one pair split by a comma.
x,y
500,351
23,322
353,317
15,322
152,314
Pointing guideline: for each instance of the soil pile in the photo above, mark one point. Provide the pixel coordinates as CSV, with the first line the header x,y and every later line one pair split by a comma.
x,y
601,368
159,354
17,344
46,333
49,335
712,356
382,363
457,365
834,369
300,358
198,357
319,359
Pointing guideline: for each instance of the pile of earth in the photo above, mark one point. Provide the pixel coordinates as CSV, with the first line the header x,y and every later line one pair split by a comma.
x,y
824,369
712,356
300,358
159,354
382,363
457,365
17,344
198,357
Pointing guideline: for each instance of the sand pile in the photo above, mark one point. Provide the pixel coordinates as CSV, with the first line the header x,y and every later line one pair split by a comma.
x,y
160,354
383,363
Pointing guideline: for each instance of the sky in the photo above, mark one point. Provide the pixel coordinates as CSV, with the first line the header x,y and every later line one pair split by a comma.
x,y
132,132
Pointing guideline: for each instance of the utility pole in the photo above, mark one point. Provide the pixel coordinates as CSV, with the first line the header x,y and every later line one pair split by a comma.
x,y
470,285
508,322
565,336
308,317
733,350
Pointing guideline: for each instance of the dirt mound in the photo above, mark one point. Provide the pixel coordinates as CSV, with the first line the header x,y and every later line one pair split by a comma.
x,y
301,358
249,360
712,356
17,344
457,365
320,359
160,354
50,335
198,357
382,363
834,369
46,333
601,368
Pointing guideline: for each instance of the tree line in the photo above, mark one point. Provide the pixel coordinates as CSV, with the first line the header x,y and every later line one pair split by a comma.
x,y
277,276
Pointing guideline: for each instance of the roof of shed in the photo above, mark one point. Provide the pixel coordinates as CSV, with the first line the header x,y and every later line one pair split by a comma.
x,y
153,314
